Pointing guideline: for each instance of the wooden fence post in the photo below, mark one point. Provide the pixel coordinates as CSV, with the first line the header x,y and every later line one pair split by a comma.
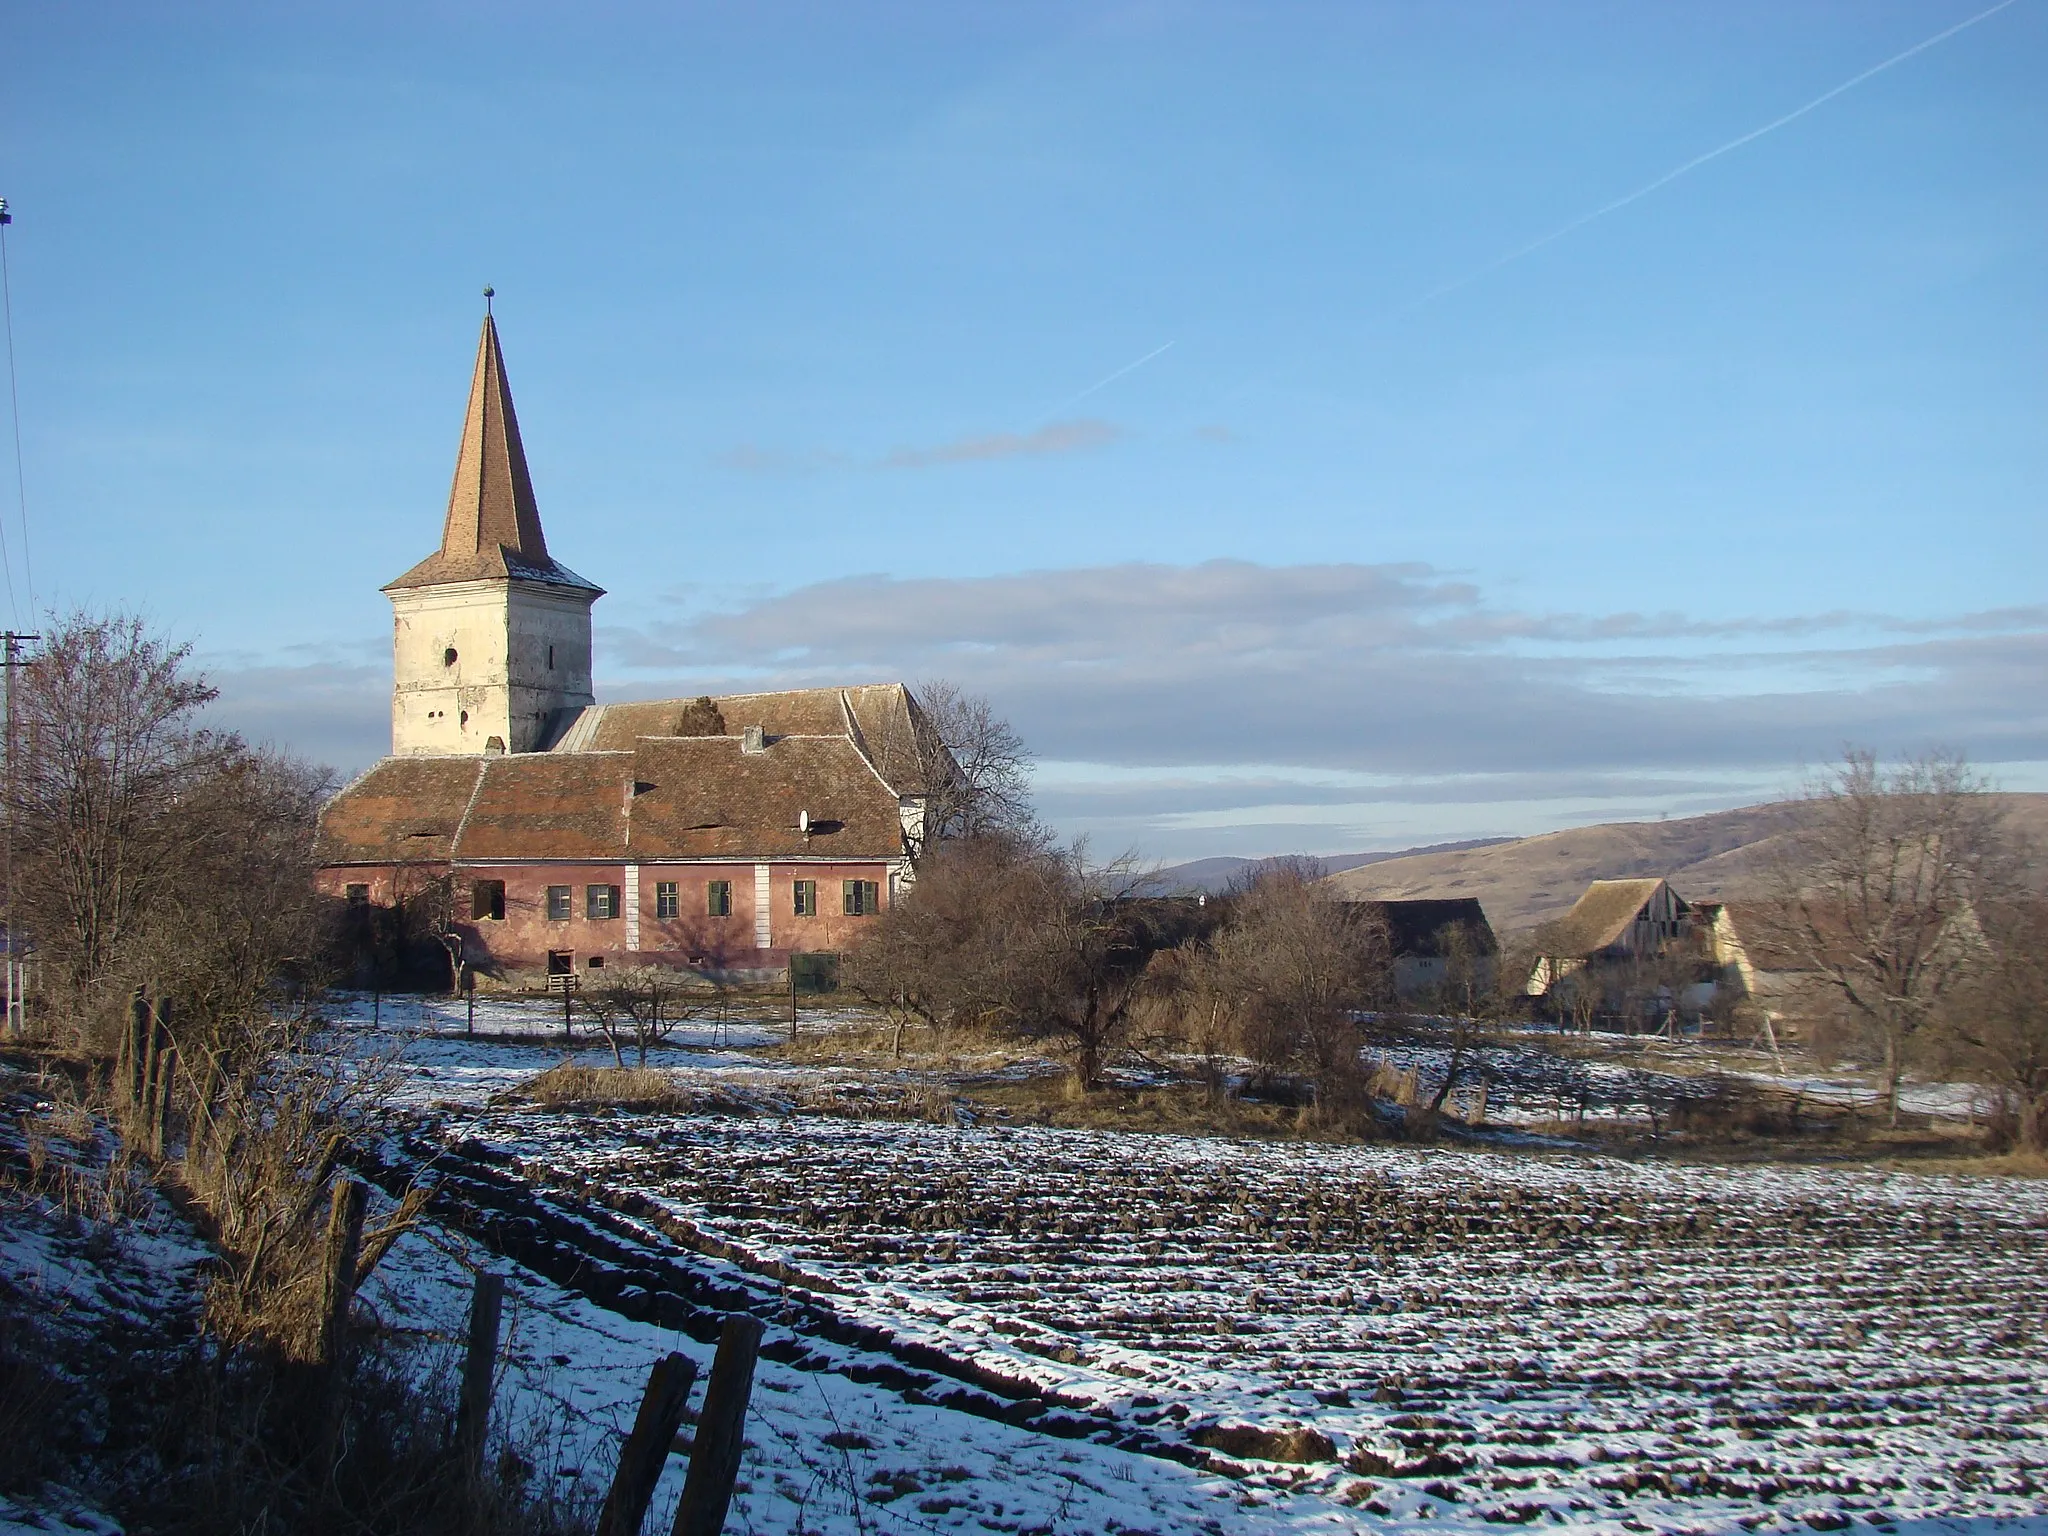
x,y
128,1074
721,1431
337,1291
479,1367
199,1131
338,1282
160,1111
148,1035
646,1449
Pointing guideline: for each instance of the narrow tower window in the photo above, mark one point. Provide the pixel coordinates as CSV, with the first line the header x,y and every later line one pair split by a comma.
x,y
551,658
448,657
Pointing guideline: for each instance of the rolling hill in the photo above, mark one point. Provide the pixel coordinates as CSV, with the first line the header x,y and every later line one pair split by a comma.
x,y
1533,879
1216,874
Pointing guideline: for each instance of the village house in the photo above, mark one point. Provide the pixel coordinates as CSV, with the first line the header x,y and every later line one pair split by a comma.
x,y
1767,956
562,836
1614,921
1427,936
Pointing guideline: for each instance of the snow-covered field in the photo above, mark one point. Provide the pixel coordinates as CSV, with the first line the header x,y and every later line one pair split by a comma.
x,y
827,1454
1525,1085
1035,1330
1480,1335
1476,1336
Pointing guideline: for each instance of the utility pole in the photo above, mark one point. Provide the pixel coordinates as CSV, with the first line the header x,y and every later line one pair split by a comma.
x,y
17,968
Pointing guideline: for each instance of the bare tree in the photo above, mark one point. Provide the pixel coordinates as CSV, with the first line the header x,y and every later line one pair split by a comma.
x,y
1073,969
1876,896
648,1003
236,912
975,767
152,851
1289,968
925,962
1996,1023
107,716
1476,992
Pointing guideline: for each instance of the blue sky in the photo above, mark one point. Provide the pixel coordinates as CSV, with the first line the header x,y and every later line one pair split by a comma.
x,y
809,313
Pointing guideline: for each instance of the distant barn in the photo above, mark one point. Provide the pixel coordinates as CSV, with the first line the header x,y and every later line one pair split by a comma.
x,y
1425,935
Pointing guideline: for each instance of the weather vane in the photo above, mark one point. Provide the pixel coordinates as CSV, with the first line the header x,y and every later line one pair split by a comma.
x,y
489,293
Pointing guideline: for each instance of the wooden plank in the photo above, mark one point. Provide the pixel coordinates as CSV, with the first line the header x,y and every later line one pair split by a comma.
x,y
646,1449
721,1431
479,1370
338,1277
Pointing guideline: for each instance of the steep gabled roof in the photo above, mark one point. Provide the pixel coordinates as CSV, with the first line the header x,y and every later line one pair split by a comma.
x,y
1421,927
1601,917
493,527
533,806
881,719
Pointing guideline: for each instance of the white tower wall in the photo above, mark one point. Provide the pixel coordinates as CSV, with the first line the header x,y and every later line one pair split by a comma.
x,y
481,666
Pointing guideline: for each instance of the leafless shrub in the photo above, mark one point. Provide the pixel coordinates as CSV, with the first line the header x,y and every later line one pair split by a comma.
x,y
1020,936
1722,1108
647,1004
1284,974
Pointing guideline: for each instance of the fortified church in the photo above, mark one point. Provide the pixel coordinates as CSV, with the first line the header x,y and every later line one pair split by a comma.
x,y
719,834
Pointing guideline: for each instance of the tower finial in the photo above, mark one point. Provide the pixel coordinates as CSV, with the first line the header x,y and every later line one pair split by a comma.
x,y
489,294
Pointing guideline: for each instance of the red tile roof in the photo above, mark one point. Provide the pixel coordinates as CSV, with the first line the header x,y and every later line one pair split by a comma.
x,y
403,810
669,797
882,718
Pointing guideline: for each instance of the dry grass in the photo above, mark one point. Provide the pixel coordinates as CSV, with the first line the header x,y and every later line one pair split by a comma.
x,y
933,1103
206,1420
571,1084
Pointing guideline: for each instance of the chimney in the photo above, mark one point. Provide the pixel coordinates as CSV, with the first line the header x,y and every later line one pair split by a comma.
x,y
753,740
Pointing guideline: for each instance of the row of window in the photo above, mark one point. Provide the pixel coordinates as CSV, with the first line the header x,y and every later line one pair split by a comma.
x,y
858,898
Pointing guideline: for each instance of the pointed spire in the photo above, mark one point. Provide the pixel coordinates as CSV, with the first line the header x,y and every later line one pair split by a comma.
x,y
491,503
493,523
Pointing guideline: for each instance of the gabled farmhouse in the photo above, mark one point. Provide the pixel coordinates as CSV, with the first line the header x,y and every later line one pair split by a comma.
x,y
1748,942
1425,937
556,835
1779,957
1614,920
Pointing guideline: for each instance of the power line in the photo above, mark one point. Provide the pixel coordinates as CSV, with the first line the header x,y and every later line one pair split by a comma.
x,y
14,399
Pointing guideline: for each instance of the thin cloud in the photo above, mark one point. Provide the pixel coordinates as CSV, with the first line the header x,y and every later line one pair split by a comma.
x,y
1229,704
1054,438
1392,670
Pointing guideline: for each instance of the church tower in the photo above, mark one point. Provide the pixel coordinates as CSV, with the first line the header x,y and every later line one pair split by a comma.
x,y
491,635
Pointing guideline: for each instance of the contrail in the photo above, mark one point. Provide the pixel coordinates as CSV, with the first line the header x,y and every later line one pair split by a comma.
x,y
1130,368
1691,165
